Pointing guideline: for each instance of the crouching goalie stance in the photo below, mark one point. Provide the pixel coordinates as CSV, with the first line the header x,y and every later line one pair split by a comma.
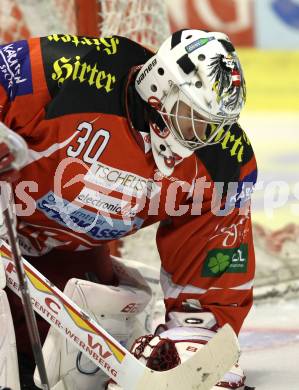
x,y
120,138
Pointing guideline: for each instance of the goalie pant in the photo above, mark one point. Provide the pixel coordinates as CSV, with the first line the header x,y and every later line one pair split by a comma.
x,y
205,256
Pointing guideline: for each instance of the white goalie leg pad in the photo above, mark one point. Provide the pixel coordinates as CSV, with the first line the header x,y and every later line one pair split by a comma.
x,y
114,307
9,370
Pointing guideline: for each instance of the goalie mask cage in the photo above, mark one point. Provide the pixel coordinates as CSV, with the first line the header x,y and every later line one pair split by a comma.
x,y
145,21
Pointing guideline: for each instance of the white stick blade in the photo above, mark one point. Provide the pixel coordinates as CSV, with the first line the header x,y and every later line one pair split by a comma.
x,y
203,370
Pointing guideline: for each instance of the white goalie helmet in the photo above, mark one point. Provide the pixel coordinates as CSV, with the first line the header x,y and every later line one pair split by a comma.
x,y
199,71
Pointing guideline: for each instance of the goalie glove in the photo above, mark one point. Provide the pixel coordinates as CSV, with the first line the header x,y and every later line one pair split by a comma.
x,y
186,333
13,154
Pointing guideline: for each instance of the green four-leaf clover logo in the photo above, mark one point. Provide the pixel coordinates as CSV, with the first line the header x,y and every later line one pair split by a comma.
x,y
218,263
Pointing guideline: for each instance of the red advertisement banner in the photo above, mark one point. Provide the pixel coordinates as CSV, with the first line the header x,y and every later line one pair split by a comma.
x,y
234,17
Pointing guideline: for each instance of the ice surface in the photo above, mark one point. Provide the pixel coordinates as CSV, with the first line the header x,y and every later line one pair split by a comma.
x,y
270,344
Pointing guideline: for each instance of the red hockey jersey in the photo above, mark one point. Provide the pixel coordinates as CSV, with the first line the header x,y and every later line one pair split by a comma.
x,y
91,177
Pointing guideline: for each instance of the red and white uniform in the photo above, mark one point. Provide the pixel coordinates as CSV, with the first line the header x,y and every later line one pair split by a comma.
x,y
91,176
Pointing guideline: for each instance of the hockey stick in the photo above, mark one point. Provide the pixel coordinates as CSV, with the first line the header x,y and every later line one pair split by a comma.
x,y
201,371
5,191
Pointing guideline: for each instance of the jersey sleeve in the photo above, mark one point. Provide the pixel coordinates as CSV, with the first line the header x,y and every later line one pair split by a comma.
x,y
208,254
23,90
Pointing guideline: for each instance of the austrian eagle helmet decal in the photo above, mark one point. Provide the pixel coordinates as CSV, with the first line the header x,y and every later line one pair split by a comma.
x,y
229,83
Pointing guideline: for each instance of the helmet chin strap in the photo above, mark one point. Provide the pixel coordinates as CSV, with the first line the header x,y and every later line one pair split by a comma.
x,y
167,151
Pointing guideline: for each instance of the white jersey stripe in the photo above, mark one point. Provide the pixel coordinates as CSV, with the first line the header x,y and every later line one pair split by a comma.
x,y
172,290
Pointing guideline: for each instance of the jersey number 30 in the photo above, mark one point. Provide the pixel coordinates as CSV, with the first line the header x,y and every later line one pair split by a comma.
x,y
94,143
